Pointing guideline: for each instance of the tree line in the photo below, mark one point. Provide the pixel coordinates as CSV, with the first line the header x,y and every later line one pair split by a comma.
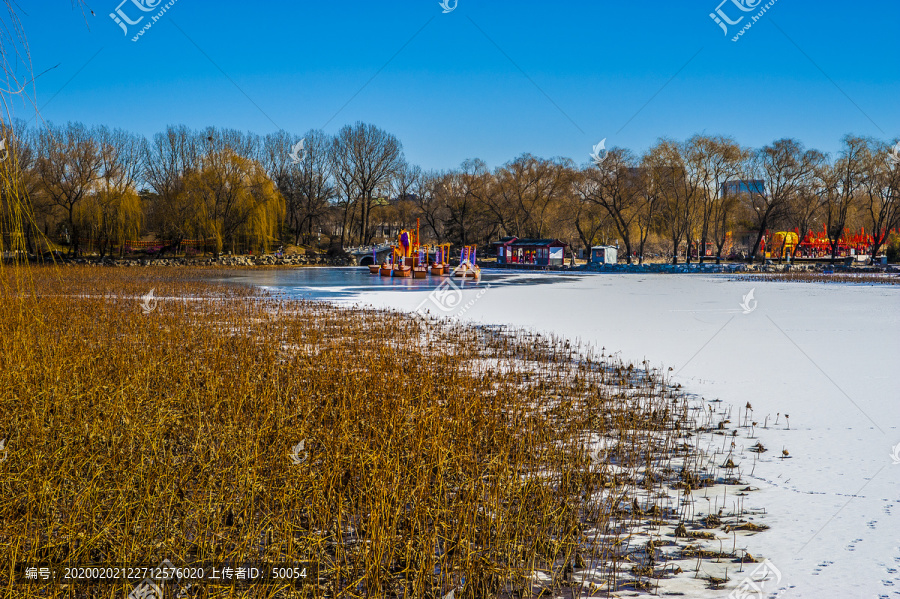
x,y
234,189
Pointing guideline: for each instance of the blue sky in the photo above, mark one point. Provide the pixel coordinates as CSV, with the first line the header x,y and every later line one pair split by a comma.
x,y
488,80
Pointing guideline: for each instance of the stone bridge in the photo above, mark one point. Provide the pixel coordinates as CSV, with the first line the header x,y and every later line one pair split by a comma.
x,y
363,254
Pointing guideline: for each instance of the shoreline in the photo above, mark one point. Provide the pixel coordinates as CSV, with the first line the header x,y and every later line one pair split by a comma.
x,y
798,273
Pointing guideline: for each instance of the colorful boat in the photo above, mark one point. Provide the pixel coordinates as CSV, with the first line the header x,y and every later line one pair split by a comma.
x,y
466,270
409,258
374,269
441,257
467,266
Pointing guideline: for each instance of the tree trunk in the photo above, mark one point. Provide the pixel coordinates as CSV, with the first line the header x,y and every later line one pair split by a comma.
x,y
76,242
364,220
755,248
344,225
876,245
28,246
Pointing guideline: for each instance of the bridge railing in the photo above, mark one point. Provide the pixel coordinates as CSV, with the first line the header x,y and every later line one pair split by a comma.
x,y
364,249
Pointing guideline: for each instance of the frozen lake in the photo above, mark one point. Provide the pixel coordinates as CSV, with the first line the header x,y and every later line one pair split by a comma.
x,y
824,354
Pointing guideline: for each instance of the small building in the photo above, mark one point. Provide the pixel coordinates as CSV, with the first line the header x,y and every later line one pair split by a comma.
x,y
743,187
501,248
533,252
604,254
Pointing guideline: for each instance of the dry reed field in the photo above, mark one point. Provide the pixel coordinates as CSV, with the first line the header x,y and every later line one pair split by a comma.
x,y
819,277
391,457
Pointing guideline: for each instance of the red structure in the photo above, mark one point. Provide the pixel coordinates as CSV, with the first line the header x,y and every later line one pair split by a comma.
x,y
817,244
536,252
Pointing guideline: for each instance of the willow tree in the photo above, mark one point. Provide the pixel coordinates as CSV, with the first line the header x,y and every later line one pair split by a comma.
x,y
17,89
169,159
18,225
112,217
235,201
114,211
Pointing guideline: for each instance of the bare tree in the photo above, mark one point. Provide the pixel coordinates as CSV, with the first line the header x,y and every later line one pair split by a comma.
x,y
782,167
804,206
429,203
462,192
615,185
404,181
364,158
589,217
881,191
647,213
67,168
842,181
303,180
532,186
678,193
347,192
715,160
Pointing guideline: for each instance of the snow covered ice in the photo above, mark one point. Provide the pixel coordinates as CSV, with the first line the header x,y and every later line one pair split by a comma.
x,y
826,355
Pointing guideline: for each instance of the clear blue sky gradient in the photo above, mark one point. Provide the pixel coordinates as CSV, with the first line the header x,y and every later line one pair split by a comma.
x,y
489,80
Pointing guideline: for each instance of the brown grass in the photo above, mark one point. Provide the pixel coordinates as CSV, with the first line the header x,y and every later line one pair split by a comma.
x,y
457,458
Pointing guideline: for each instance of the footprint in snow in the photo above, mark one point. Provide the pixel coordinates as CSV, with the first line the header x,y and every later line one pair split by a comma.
x,y
821,567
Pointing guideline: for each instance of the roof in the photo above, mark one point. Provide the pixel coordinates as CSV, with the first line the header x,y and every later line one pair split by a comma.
x,y
538,242
504,240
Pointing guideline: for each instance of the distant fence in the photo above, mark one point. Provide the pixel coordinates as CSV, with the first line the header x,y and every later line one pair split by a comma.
x,y
88,244
195,244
